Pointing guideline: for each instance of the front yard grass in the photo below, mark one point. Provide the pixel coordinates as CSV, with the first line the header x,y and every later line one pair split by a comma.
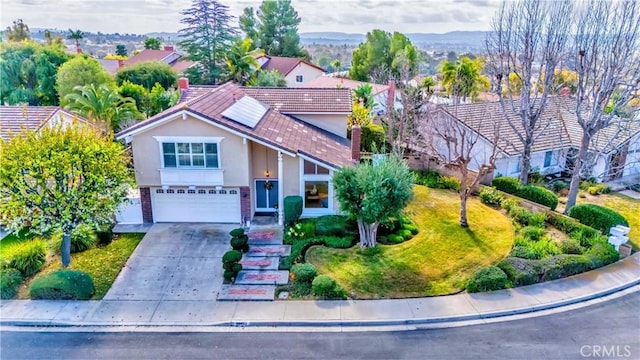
x,y
437,261
102,263
626,206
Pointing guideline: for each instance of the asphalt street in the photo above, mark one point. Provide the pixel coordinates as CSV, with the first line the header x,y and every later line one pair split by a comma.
x,y
605,330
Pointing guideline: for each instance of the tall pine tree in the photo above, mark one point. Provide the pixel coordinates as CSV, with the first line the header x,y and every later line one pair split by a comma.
x,y
207,35
274,28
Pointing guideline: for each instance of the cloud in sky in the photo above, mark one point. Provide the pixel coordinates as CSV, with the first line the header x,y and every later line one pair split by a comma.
x,y
144,16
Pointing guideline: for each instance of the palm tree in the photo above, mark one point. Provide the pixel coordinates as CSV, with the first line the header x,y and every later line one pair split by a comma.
x,y
428,84
103,105
463,78
77,36
242,61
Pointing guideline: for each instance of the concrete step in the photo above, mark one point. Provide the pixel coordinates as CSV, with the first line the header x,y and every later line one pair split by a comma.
x,y
260,263
267,277
265,236
261,242
247,292
269,250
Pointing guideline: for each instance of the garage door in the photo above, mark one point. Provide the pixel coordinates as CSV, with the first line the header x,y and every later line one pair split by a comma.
x,y
199,205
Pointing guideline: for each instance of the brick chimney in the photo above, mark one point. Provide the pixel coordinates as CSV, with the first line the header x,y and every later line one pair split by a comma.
x,y
120,63
168,48
356,133
391,96
183,83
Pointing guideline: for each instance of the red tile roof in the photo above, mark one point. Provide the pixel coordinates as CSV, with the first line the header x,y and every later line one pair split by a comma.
x,y
275,128
16,119
335,82
148,55
285,65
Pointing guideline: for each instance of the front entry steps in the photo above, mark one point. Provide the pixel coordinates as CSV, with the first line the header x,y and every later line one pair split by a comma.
x,y
258,277
247,292
260,263
269,250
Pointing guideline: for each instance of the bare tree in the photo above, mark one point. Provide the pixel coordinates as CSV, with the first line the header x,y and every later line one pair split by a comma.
x,y
527,41
607,52
471,152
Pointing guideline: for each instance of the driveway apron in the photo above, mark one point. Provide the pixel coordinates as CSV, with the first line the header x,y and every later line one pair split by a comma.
x,y
175,262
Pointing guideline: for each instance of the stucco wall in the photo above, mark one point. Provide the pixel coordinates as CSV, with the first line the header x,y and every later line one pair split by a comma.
x,y
147,156
334,123
307,72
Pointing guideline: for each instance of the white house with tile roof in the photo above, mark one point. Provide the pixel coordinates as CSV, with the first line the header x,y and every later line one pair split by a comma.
x,y
18,118
227,152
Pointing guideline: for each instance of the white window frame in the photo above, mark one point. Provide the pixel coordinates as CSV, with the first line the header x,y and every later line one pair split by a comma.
x,y
301,77
310,212
190,139
517,167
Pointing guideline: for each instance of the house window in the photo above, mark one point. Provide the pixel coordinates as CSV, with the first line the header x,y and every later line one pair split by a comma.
x,y
299,78
316,194
316,188
212,191
191,191
202,191
314,169
180,191
514,166
190,155
547,158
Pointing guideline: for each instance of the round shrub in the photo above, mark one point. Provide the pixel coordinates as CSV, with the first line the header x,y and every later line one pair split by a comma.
x,y
10,281
332,225
292,209
507,184
339,242
598,217
570,246
487,279
562,266
236,267
237,232
406,234
412,228
83,237
240,243
228,275
602,253
62,285
532,233
232,256
326,287
520,271
539,195
28,257
522,252
304,272
491,196
395,238
105,234
450,183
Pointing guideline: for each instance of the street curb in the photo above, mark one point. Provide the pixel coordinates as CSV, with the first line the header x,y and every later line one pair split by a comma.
x,y
140,326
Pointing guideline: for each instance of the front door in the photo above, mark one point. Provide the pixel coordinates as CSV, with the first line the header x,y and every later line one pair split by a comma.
x,y
266,195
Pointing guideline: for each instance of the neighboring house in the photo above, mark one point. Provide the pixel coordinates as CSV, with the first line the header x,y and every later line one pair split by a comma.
x,y
557,139
295,71
227,152
19,118
168,56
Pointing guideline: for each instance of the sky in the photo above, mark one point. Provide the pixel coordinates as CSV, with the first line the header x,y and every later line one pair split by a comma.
x,y
145,16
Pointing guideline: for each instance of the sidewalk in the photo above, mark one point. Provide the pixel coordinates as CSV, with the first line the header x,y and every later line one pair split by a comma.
x,y
444,309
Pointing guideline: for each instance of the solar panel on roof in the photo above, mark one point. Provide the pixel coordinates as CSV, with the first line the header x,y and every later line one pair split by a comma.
x,y
246,111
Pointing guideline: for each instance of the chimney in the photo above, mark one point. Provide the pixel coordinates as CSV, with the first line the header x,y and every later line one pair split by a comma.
x,y
356,132
391,98
120,63
565,91
168,48
183,83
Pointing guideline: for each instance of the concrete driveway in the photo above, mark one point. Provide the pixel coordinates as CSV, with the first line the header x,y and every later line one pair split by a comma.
x,y
175,262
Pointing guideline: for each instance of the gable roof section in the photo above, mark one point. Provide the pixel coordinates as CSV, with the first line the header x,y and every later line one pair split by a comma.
x,y
335,82
148,55
274,128
284,65
16,119
557,127
303,100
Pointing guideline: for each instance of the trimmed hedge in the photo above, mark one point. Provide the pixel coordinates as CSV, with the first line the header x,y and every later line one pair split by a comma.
x,y
28,257
10,281
507,184
62,285
435,180
487,279
304,272
326,287
598,217
583,233
292,209
537,194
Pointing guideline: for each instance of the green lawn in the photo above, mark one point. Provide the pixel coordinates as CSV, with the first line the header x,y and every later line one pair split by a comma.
x,y
13,239
437,261
103,263
628,207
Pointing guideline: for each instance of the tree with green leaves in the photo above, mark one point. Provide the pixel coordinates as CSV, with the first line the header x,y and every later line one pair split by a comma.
x,y
61,177
383,56
242,61
147,74
76,35
374,193
121,50
17,32
138,93
463,79
80,71
364,94
102,104
207,37
274,28
271,78
152,43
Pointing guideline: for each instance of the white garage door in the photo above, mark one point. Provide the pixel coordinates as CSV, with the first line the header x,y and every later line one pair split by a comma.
x,y
199,205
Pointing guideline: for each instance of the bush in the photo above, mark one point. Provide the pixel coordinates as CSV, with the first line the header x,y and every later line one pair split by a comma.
x,y
304,272
10,281
83,237
585,184
105,234
570,246
231,265
487,279
532,233
239,232
559,185
522,251
572,227
598,217
332,225
599,189
292,209
339,242
373,137
602,253
538,195
520,271
326,287
450,183
395,239
435,180
525,217
509,204
562,266
491,196
534,250
507,184
232,256
62,285
406,234
240,243
411,227
28,257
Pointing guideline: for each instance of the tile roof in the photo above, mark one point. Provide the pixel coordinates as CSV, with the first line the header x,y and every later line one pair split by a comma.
x,y
285,65
335,82
275,128
303,100
16,119
110,65
148,55
557,126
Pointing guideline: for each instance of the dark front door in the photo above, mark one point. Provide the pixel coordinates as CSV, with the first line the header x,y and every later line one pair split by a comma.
x,y
266,195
